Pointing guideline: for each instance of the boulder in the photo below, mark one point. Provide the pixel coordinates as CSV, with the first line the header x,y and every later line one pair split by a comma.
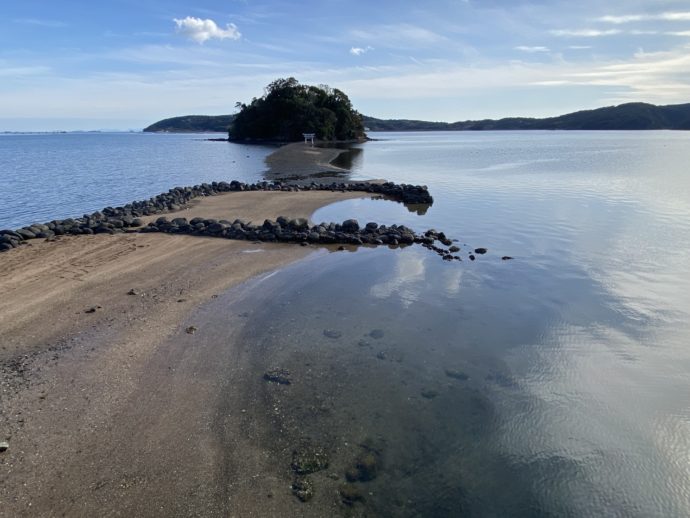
x,y
350,225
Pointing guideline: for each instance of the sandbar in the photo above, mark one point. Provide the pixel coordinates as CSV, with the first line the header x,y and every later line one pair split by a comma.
x,y
299,160
82,321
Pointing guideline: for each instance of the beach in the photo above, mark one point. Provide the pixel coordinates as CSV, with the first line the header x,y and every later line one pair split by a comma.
x,y
89,375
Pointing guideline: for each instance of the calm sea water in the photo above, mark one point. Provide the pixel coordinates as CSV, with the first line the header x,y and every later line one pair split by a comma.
x,y
574,398
53,176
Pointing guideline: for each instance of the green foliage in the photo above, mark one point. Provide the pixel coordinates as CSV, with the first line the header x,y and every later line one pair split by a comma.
x,y
192,124
288,109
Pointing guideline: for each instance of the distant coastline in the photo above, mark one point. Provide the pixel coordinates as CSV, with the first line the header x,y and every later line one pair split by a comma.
x,y
630,116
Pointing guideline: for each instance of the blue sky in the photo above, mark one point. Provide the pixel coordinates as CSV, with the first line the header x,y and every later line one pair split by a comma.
x,y
122,64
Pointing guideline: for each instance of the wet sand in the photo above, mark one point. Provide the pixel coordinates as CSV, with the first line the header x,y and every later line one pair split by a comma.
x,y
299,160
105,415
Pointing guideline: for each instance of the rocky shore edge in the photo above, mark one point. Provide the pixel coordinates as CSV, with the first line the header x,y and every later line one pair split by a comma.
x,y
127,219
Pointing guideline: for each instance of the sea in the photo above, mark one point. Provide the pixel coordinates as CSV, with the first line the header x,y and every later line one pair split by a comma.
x,y
555,383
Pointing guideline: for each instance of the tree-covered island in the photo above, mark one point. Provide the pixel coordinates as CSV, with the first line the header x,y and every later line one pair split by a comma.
x,y
288,109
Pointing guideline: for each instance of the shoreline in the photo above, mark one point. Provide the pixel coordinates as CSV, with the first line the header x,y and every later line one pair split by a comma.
x,y
85,321
41,275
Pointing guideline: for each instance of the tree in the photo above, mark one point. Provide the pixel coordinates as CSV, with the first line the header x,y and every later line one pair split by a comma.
x,y
287,109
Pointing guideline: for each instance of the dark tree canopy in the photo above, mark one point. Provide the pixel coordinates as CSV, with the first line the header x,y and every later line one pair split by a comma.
x,y
288,109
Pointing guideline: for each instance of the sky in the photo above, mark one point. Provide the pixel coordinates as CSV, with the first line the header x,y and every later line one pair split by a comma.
x,y
124,64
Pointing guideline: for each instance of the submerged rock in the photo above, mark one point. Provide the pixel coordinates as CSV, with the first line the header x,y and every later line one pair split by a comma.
x,y
429,394
309,459
303,488
349,494
458,375
365,468
331,333
377,334
480,251
367,465
281,376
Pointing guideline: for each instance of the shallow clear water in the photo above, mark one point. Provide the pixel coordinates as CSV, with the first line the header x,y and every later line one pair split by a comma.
x,y
577,397
53,176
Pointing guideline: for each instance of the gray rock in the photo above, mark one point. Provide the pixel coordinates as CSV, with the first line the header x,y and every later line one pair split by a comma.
x,y
26,234
331,333
299,223
351,225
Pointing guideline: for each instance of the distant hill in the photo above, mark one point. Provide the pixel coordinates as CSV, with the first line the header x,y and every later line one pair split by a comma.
x,y
630,116
192,124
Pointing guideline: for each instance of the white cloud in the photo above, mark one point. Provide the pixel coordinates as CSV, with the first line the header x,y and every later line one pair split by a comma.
x,y
585,33
358,51
200,30
628,18
40,23
524,48
17,72
401,35
621,19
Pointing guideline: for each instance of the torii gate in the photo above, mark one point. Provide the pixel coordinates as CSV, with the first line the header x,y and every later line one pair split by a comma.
x,y
309,137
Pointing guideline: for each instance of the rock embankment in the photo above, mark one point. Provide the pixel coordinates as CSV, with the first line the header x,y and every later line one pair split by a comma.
x,y
127,218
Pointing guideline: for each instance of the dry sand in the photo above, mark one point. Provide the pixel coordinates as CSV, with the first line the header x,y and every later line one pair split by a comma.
x,y
81,391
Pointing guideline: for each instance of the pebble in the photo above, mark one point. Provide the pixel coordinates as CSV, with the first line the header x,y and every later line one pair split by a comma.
x,y
377,334
278,375
429,394
4,446
331,333
458,375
